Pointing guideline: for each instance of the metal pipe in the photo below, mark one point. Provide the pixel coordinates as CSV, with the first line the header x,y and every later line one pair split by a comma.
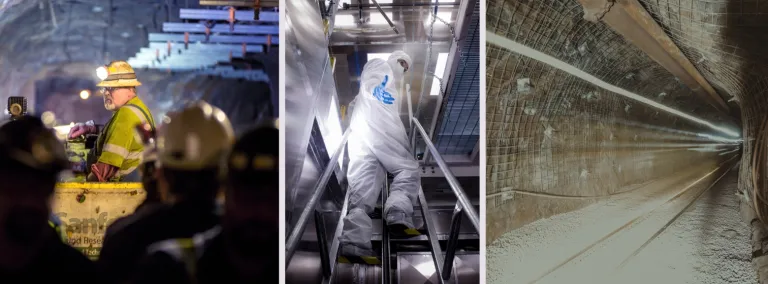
x,y
392,5
453,242
385,269
410,108
301,224
385,17
53,15
434,244
455,186
322,242
424,85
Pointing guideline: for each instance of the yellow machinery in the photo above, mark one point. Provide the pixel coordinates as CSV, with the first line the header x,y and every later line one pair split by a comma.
x,y
87,208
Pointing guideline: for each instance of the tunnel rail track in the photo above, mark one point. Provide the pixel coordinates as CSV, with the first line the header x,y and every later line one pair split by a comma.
x,y
646,216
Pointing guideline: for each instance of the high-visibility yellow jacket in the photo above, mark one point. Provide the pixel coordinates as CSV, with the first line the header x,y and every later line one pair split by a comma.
x,y
119,144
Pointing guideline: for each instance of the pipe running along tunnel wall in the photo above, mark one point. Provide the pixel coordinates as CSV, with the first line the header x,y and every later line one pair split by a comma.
x,y
556,142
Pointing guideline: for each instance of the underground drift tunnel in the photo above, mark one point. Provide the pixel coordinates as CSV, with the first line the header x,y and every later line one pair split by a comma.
x,y
625,141
181,51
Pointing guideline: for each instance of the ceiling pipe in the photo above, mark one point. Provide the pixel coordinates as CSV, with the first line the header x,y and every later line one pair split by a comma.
x,y
348,6
392,25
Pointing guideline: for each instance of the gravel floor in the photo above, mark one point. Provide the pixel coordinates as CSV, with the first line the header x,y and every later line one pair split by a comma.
x,y
709,243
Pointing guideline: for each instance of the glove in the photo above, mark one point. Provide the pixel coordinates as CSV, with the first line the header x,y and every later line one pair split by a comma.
x,y
102,172
82,129
381,94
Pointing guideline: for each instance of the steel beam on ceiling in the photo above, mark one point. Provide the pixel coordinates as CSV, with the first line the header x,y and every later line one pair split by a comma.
x,y
236,29
163,46
231,39
174,63
242,3
635,24
191,54
403,5
223,15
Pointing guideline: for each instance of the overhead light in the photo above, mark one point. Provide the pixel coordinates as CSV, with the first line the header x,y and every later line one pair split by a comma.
x,y
384,1
383,56
378,19
442,59
344,20
102,73
84,94
445,16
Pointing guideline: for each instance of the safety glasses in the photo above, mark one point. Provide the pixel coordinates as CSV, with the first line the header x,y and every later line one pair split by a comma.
x,y
105,90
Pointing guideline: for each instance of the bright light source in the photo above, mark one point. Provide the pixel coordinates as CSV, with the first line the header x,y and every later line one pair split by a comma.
x,y
445,16
378,19
333,124
48,118
442,59
344,20
384,1
382,56
84,94
521,49
102,73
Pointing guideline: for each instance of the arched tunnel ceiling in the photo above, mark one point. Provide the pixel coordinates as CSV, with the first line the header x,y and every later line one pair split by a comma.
x,y
725,41
558,29
79,35
551,132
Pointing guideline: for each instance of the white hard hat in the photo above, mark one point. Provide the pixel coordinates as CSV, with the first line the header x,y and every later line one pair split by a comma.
x,y
195,138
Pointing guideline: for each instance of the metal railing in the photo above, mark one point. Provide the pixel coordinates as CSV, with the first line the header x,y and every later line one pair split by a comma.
x,y
317,192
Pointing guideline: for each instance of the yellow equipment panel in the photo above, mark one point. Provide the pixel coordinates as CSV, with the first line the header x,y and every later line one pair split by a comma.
x,y
87,208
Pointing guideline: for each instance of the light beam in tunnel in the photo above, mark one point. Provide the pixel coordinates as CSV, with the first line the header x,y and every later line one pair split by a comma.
x,y
556,63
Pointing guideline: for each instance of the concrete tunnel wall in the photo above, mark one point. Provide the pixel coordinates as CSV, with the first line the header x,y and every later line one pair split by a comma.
x,y
558,142
85,35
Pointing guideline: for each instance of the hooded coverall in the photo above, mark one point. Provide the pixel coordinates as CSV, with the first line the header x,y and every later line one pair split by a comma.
x,y
378,143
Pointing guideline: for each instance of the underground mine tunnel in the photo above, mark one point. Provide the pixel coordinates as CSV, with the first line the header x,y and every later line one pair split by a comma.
x,y
181,51
625,141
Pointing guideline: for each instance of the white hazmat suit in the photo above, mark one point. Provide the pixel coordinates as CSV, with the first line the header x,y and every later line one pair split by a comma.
x,y
379,143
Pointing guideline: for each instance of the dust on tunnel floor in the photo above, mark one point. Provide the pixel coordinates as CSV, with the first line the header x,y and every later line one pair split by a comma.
x,y
709,243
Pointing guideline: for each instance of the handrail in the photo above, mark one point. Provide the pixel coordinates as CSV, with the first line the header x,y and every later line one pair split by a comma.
x,y
301,224
455,186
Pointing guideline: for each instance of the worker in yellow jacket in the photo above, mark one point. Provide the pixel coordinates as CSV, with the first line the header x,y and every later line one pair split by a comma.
x,y
118,149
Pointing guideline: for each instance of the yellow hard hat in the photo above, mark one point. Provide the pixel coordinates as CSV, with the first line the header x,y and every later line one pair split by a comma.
x,y
195,138
117,74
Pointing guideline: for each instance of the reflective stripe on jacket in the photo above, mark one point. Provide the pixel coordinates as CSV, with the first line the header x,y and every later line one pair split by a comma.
x,y
187,250
119,144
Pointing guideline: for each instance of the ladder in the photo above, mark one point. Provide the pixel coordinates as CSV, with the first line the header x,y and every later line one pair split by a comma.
x,y
443,264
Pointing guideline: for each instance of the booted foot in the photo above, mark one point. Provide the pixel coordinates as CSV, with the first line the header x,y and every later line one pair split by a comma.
x,y
403,231
353,254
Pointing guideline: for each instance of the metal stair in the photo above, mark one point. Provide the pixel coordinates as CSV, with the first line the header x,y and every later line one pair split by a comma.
x,y
398,256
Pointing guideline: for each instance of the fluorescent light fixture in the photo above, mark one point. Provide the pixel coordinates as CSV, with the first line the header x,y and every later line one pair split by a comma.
x,y
445,16
344,20
382,56
378,19
383,1
521,49
442,59
333,127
